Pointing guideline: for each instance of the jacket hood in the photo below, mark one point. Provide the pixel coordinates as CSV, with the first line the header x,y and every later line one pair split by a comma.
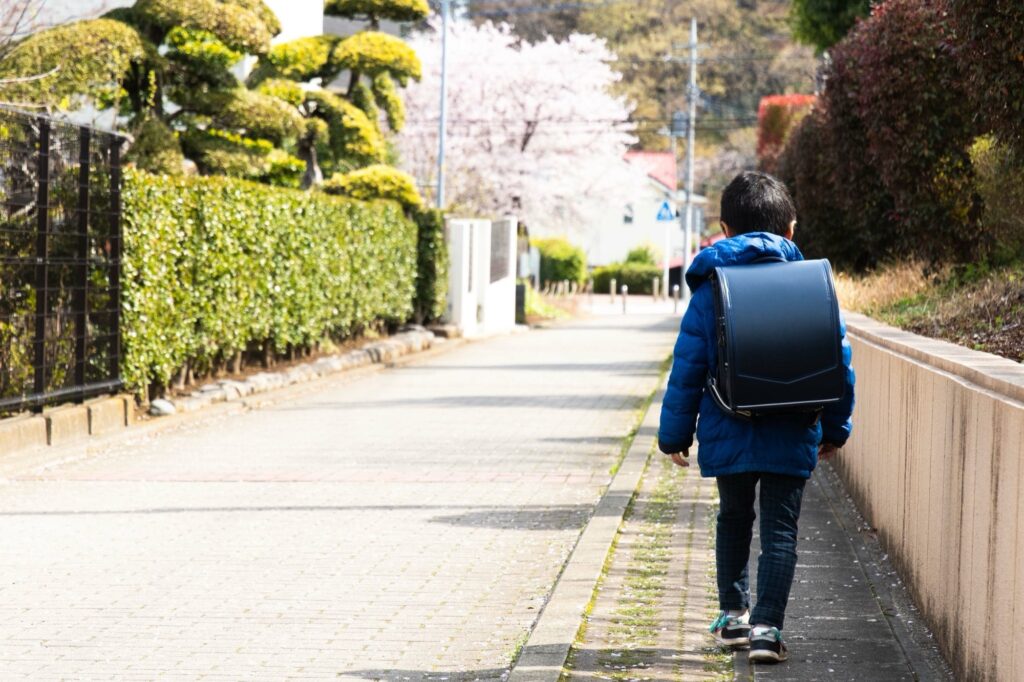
x,y
739,250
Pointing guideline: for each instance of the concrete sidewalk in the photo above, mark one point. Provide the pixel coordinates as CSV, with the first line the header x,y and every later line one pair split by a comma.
x,y
849,617
409,524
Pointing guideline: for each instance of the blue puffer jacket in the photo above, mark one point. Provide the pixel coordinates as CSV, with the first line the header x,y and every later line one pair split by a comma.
x,y
783,444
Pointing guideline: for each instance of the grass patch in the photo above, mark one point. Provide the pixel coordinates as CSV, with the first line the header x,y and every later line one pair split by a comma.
x,y
633,634
976,306
717,660
540,308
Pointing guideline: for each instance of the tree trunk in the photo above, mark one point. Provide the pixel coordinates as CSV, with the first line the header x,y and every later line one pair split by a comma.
x,y
313,175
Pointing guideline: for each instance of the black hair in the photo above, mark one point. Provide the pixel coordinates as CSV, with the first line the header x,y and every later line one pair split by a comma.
x,y
757,202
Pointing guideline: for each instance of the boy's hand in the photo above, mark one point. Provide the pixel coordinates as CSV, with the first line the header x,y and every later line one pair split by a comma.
x,y
680,458
827,451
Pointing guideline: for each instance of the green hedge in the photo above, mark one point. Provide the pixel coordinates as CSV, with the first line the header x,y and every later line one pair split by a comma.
x,y
215,265
431,266
637,276
560,260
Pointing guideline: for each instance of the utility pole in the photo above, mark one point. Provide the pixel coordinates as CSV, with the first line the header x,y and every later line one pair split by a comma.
x,y
669,226
691,123
676,130
443,118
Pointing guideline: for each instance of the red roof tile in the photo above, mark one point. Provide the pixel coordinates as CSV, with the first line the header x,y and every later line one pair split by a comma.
x,y
660,166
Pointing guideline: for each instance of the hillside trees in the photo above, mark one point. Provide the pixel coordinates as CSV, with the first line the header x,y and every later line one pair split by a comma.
x,y
746,50
823,23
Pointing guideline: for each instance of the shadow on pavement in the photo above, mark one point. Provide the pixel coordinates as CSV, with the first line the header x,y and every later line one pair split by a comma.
x,y
568,401
565,517
414,675
526,517
618,368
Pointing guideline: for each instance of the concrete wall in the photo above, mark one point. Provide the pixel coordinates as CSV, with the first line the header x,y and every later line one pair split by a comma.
x,y
935,465
481,302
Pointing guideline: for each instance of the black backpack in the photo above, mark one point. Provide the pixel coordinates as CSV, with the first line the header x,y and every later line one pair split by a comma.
x,y
779,342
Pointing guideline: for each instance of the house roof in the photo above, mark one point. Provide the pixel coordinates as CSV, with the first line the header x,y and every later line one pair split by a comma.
x,y
660,166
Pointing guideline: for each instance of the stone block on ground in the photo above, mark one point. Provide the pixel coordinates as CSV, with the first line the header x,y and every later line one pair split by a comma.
x,y
447,331
107,415
20,433
66,424
162,408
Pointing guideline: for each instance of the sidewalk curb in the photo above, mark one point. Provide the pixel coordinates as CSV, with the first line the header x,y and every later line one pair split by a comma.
x,y
547,648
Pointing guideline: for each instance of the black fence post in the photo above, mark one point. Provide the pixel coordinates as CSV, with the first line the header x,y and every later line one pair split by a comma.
x,y
115,256
42,234
80,295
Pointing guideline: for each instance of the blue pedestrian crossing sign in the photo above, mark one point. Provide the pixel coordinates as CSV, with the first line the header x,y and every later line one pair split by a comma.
x,y
666,213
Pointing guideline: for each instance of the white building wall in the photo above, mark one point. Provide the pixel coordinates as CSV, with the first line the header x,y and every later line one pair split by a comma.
x,y
299,18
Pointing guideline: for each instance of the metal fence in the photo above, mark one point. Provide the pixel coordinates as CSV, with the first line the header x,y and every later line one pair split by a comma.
x,y
60,261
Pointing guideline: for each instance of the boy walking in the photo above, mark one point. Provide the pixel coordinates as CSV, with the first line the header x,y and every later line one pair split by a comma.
x,y
776,453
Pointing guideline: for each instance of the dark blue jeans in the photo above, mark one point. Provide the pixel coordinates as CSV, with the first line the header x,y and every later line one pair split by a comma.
x,y
780,498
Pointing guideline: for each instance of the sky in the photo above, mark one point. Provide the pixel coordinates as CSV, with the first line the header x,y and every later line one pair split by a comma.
x,y
59,11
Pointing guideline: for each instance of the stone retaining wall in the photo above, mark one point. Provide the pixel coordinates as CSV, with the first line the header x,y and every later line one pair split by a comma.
x,y
935,466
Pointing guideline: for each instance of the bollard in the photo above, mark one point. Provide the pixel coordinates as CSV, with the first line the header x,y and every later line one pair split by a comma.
x,y
655,288
675,298
625,297
590,292
565,287
612,287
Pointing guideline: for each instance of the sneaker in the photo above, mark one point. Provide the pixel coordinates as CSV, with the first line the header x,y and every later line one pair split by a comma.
x,y
731,631
766,646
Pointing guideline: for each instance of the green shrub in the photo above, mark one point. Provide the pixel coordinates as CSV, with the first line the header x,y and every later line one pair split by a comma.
x,y
431,266
395,10
156,148
238,28
212,265
103,51
297,60
376,182
372,52
639,277
560,260
645,254
999,178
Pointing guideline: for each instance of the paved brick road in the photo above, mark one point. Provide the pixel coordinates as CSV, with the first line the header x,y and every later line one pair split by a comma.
x,y
408,523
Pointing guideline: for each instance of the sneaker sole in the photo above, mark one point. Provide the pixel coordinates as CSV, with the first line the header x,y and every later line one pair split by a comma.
x,y
763,656
738,643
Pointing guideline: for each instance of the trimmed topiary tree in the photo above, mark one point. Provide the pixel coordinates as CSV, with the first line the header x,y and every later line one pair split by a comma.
x,y
343,132
104,52
376,182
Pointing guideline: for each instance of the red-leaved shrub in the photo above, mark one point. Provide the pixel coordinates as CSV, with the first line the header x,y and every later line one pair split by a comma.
x,y
990,39
777,116
890,144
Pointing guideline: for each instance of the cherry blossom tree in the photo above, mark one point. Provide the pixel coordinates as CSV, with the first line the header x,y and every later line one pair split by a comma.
x,y
532,129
